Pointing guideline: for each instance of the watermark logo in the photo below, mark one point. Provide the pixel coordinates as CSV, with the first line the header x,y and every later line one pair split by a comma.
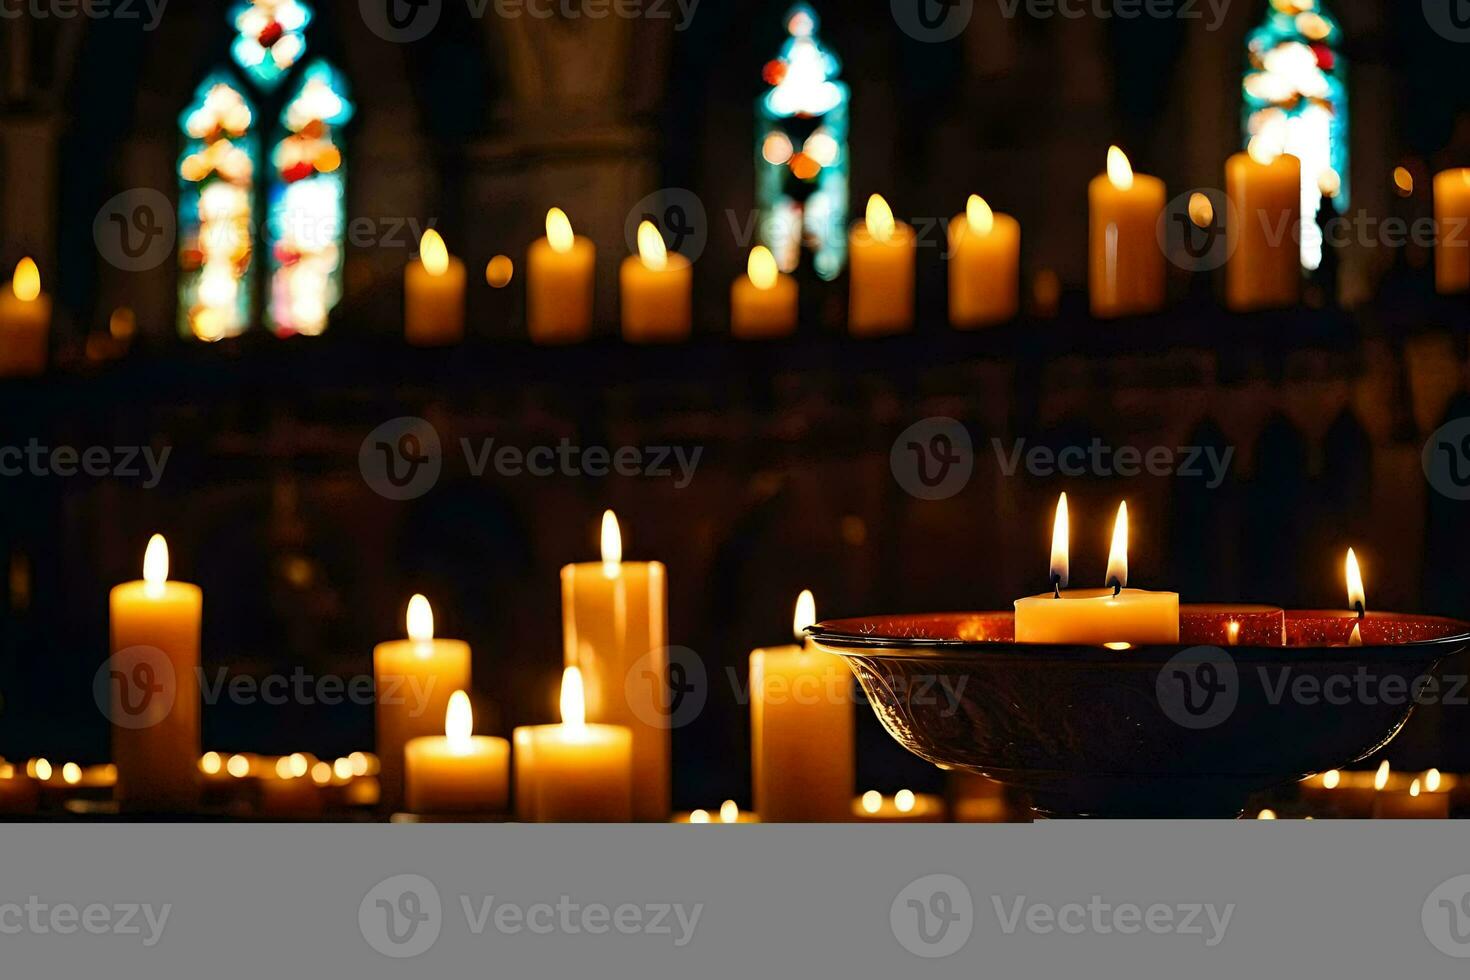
x,y
933,459
1446,917
135,230
401,21
1446,459
678,214
932,21
1098,459
1449,18
1198,688
667,688
933,916
402,458
1192,229
1100,917
401,916
136,687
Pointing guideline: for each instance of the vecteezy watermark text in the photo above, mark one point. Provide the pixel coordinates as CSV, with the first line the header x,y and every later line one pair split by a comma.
x,y
148,11
40,918
1102,918
567,459
35,459
1098,459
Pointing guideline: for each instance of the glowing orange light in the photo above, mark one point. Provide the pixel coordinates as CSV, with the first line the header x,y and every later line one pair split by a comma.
x,y
651,249
1118,552
433,253
1060,532
1120,171
27,282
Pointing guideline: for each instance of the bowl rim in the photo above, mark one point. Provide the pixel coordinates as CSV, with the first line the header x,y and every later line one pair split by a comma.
x,y
840,636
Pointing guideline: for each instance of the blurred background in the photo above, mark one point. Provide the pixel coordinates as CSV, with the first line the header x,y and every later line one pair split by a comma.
x,y
484,122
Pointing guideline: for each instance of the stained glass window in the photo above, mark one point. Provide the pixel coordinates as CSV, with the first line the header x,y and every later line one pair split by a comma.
x,y
1296,102
270,38
216,211
307,206
222,175
801,151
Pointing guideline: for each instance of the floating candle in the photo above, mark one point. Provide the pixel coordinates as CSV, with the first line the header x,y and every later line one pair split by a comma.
x,y
1112,615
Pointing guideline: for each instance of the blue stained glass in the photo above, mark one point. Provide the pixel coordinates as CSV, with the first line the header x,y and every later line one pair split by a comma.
x,y
270,38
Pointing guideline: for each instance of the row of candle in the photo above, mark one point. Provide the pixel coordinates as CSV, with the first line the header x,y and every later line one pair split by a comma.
x,y
1386,795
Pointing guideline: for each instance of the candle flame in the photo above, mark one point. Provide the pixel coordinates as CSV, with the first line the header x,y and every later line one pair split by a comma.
x,y
729,812
283,768
1060,532
1262,150
211,764
1118,552
978,215
321,774
71,773
905,800
612,544
1331,779
1356,598
299,764
1380,778
1267,814
420,619
1232,633
27,282
1201,211
43,770
459,723
761,267
1414,788
1432,780
238,766
155,565
872,801
1329,182
651,250
879,218
1403,179
1120,171
806,614
559,231
699,816
433,254
573,699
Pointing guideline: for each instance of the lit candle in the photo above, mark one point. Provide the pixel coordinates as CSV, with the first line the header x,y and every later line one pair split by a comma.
x,y
459,771
25,323
801,721
433,293
560,272
881,295
657,289
288,791
984,266
575,772
1112,615
154,683
1126,262
615,628
1452,219
414,679
728,813
1415,804
905,806
1263,234
763,301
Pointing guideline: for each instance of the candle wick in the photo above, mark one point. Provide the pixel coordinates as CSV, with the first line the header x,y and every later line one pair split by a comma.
x,y
1359,607
1117,586
1056,586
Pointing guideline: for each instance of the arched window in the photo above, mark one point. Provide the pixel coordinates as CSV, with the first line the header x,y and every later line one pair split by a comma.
x,y
222,177
1296,102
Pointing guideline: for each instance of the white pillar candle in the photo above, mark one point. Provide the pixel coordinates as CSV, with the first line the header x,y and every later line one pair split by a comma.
x,y
881,294
615,629
801,718
459,771
154,682
575,772
657,291
433,295
414,679
25,323
560,271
